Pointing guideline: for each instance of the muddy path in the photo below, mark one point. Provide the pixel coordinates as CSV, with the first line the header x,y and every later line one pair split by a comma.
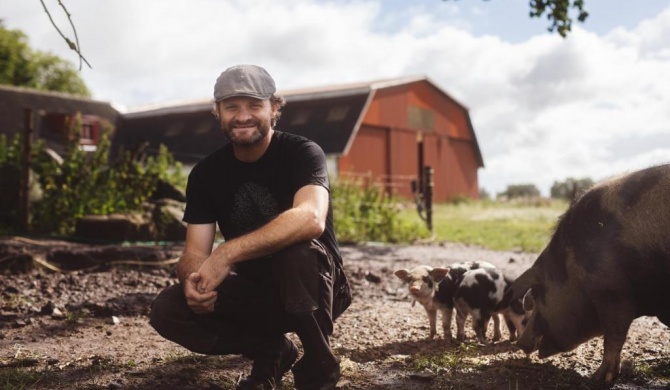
x,y
88,329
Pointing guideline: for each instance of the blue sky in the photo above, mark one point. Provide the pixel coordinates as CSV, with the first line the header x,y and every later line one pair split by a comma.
x,y
509,19
544,108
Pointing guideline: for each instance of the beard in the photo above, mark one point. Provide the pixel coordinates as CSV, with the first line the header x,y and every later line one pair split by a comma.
x,y
262,129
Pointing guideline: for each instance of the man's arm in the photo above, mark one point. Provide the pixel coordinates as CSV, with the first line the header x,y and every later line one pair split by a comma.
x,y
199,241
198,247
306,220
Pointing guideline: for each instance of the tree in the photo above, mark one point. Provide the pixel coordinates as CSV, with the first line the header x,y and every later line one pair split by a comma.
x,y
570,188
520,191
20,65
558,13
15,66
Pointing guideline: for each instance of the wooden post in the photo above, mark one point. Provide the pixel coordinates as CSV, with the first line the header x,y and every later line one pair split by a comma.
x,y
24,187
428,196
419,144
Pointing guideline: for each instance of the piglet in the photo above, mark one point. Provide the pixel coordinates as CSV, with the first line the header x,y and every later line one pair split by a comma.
x,y
481,294
434,289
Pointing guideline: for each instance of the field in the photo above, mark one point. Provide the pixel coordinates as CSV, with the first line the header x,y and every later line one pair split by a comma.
x,y
519,225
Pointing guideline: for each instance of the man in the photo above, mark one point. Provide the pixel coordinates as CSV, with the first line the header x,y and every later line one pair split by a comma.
x,y
279,269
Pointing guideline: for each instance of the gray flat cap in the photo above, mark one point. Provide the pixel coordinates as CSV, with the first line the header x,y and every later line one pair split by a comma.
x,y
244,80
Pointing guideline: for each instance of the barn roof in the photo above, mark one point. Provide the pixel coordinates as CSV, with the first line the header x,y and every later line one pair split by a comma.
x,y
13,100
329,115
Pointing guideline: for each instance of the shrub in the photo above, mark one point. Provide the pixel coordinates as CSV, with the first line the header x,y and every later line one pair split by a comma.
x,y
364,212
86,184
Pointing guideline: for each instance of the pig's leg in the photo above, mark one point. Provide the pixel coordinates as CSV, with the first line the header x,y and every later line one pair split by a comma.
x,y
496,328
446,323
461,315
514,326
432,320
615,322
480,322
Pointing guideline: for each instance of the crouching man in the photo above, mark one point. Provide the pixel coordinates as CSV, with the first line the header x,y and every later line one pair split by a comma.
x,y
279,269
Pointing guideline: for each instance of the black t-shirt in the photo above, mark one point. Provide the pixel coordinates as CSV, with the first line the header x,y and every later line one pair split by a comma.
x,y
242,197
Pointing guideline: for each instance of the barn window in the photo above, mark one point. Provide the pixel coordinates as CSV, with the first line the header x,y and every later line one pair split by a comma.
x,y
172,131
87,131
300,117
337,113
420,118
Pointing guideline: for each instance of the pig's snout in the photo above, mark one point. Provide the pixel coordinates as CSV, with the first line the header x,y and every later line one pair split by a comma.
x,y
528,344
414,290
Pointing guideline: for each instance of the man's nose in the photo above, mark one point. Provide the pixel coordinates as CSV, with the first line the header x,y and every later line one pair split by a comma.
x,y
243,114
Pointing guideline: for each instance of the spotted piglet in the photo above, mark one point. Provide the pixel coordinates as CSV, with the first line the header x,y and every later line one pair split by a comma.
x,y
434,289
480,294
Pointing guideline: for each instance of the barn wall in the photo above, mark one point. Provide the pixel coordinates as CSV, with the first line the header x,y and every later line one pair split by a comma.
x,y
450,117
404,161
448,144
463,179
368,154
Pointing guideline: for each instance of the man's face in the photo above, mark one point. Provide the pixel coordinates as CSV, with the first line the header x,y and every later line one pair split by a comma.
x,y
245,120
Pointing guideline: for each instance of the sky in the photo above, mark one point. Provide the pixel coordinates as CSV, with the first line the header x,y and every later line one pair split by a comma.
x,y
544,108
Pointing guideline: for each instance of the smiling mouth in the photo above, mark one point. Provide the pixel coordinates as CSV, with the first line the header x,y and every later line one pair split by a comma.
x,y
245,127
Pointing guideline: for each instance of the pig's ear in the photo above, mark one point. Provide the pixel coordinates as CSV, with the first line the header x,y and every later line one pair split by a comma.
x,y
437,274
402,274
523,283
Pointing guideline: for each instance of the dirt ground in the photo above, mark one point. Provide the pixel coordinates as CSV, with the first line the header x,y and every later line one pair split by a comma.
x,y
85,327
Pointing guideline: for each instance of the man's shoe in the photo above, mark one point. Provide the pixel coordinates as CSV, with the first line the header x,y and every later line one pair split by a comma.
x,y
312,376
268,371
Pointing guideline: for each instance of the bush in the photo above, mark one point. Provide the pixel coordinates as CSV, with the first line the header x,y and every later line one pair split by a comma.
x,y
570,188
364,213
520,191
85,183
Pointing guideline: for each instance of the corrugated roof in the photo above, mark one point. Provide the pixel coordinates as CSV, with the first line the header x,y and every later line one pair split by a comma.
x,y
291,95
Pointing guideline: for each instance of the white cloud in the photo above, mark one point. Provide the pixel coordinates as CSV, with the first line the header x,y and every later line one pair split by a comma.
x,y
543,108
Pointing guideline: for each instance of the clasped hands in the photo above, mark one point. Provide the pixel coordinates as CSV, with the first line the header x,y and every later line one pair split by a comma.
x,y
200,286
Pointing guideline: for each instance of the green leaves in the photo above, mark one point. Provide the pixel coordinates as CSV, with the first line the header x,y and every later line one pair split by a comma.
x,y
364,212
86,183
20,65
558,13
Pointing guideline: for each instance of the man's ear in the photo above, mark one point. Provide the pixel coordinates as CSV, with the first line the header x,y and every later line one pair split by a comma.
x,y
215,110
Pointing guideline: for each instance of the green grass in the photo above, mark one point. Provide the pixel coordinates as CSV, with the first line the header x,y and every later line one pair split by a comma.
x,y
516,226
454,360
16,378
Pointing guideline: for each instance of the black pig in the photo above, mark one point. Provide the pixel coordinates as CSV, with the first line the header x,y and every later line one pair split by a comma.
x,y
607,263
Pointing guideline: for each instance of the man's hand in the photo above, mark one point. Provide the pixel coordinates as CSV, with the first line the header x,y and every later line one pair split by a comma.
x,y
212,272
199,302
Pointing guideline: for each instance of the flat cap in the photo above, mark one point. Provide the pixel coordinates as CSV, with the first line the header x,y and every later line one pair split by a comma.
x,y
244,80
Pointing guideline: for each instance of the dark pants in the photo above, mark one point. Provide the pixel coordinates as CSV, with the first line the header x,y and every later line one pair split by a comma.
x,y
253,309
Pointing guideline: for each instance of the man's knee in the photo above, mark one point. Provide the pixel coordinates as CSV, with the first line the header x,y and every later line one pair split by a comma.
x,y
168,306
304,259
171,317
305,277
